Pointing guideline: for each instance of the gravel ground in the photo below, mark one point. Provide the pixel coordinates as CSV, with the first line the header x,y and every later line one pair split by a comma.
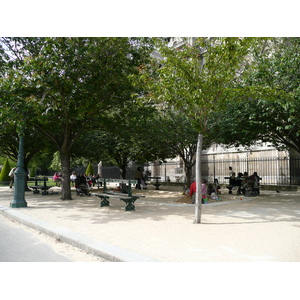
x,y
236,229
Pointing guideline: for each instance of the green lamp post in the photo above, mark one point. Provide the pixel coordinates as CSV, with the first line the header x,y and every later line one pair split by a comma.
x,y
20,177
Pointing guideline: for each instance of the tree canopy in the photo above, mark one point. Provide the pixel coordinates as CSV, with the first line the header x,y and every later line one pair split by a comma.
x,y
271,111
62,86
197,80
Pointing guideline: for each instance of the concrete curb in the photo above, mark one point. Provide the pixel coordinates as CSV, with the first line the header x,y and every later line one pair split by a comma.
x,y
108,252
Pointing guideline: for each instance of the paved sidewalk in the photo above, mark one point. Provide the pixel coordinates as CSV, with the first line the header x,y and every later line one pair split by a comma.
x,y
260,229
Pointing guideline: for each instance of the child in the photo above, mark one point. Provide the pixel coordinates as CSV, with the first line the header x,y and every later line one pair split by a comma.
x,y
204,191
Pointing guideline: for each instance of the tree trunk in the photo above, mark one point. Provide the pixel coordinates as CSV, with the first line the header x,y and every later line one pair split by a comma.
x,y
123,172
188,173
198,200
66,187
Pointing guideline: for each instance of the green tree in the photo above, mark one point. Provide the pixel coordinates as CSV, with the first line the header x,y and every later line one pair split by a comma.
x,y
180,137
9,142
272,111
56,162
128,136
5,171
89,169
278,72
63,86
197,80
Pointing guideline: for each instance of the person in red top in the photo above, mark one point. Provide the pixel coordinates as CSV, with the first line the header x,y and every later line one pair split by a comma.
x,y
57,179
193,191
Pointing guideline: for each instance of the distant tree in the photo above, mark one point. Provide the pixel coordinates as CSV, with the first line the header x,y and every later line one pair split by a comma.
x,y
5,171
180,137
89,169
133,133
56,162
271,112
9,143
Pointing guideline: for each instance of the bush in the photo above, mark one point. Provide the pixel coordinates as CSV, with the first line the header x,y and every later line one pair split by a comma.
x,y
5,171
89,170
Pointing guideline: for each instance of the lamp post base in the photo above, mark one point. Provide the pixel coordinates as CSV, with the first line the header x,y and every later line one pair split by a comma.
x,y
18,203
20,179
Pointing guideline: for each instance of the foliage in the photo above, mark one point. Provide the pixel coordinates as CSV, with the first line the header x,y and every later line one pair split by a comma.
x,y
198,79
34,145
5,171
279,72
40,162
32,173
61,86
89,170
3,159
128,136
56,162
272,112
180,137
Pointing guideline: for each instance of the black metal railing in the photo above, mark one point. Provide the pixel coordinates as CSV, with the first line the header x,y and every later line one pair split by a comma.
x,y
273,170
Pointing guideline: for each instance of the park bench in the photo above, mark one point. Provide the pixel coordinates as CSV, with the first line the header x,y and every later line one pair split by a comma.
x,y
37,188
125,185
230,187
129,199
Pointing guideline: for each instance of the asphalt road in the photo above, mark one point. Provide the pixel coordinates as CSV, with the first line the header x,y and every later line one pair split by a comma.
x,y
19,245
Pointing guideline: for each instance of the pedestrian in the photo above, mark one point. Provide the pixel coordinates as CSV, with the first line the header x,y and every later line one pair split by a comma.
x,y
143,180
255,178
138,176
73,178
230,172
11,174
193,191
57,178
203,191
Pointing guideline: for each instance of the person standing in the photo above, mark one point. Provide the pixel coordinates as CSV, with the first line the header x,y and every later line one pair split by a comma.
x,y
11,174
73,178
138,176
203,191
230,172
193,191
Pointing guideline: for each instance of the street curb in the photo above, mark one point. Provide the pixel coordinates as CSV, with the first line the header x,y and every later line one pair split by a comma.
x,y
104,250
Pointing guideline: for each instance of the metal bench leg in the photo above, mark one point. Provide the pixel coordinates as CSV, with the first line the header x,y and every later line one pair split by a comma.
x,y
130,206
230,189
104,201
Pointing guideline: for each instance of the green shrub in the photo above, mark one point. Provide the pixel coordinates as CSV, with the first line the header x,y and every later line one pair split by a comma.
x,y
5,171
89,169
32,172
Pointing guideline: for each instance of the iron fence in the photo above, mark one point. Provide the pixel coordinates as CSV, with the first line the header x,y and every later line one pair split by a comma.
x,y
273,170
